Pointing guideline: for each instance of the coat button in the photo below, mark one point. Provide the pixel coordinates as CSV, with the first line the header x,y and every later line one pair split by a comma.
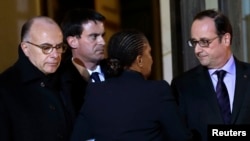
x,y
42,84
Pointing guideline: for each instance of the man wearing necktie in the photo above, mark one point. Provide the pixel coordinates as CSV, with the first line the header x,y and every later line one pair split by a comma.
x,y
86,51
205,96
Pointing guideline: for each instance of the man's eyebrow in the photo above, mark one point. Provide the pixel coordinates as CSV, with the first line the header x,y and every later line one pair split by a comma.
x,y
203,38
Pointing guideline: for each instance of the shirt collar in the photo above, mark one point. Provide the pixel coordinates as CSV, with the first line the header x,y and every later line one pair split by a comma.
x,y
97,69
229,67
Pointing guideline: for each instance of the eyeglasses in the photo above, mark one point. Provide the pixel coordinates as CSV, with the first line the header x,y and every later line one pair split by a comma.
x,y
48,48
202,42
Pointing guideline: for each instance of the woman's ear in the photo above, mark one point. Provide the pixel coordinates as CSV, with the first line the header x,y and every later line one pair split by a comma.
x,y
72,41
139,61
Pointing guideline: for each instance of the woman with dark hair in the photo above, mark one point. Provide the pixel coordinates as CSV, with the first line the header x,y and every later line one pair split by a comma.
x,y
127,107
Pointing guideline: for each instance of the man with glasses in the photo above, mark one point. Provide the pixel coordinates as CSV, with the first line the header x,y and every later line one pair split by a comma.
x,y
33,106
204,96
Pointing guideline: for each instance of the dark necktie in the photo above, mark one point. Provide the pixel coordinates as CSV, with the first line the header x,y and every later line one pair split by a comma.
x,y
95,77
222,96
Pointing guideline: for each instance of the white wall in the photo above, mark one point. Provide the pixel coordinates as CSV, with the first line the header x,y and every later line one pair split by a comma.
x,y
13,13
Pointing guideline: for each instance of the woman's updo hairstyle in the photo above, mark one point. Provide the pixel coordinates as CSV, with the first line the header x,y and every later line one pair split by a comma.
x,y
123,48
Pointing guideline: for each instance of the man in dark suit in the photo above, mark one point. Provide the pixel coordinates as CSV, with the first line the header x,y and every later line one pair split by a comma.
x,y
83,31
32,103
197,89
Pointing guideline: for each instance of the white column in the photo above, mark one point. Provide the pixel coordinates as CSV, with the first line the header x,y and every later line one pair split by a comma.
x,y
166,40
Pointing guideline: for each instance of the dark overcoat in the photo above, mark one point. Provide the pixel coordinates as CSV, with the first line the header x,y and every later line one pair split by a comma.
x,y
32,105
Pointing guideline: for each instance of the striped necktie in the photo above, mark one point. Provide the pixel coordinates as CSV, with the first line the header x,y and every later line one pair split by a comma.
x,y
223,97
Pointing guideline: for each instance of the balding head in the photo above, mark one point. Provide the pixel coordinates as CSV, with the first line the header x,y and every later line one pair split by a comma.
x,y
36,22
39,32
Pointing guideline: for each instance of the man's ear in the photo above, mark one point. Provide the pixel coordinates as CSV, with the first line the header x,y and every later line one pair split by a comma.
x,y
72,41
227,38
25,48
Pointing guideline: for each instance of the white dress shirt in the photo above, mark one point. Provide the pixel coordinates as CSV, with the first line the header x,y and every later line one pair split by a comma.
x,y
100,73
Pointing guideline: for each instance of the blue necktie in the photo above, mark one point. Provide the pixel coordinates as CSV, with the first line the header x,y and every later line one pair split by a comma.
x,y
222,96
95,77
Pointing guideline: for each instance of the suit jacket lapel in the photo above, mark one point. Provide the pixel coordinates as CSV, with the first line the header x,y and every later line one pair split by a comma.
x,y
207,89
242,79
